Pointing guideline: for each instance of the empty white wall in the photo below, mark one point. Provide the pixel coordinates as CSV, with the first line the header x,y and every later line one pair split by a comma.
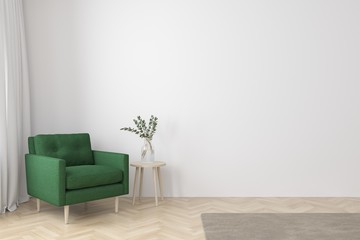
x,y
255,97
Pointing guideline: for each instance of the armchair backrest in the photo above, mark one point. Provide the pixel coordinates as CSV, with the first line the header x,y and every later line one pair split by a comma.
x,y
75,148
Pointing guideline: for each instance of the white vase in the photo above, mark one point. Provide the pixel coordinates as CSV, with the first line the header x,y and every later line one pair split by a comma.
x,y
147,151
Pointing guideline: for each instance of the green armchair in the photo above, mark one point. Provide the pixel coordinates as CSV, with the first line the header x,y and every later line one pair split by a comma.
x,y
62,169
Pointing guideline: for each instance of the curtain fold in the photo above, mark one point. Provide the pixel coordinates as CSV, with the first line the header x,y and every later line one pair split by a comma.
x,y
14,105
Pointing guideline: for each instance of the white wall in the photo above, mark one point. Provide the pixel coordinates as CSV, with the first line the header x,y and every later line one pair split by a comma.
x,y
255,97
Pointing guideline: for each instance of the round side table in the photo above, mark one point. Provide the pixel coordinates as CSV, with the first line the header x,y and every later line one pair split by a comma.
x,y
156,176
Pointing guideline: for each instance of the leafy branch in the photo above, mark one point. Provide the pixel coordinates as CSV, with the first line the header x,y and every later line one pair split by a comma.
x,y
143,129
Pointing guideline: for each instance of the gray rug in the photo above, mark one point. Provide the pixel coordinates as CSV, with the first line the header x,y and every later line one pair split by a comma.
x,y
281,226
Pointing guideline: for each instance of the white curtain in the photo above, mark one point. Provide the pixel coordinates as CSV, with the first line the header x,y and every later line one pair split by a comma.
x,y
14,105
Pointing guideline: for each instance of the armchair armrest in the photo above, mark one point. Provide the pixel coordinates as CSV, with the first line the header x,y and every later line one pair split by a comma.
x,y
116,160
45,178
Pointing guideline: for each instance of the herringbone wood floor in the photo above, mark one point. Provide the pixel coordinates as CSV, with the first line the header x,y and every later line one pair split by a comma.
x,y
174,218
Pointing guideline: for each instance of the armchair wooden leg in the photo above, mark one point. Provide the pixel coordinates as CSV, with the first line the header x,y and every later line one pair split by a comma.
x,y
116,204
38,205
66,214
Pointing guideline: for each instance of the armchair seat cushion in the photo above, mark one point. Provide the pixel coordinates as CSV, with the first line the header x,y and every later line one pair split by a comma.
x,y
84,176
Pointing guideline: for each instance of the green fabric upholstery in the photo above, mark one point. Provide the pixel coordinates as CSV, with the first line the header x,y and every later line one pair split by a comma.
x,y
62,169
75,149
84,176
31,145
94,193
46,178
116,160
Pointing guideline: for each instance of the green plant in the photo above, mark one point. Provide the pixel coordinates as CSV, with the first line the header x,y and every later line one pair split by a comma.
x,y
144,130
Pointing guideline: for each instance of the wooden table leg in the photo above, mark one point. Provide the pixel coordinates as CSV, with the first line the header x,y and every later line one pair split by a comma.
x,y
141,181
135,181
155,183
160,184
